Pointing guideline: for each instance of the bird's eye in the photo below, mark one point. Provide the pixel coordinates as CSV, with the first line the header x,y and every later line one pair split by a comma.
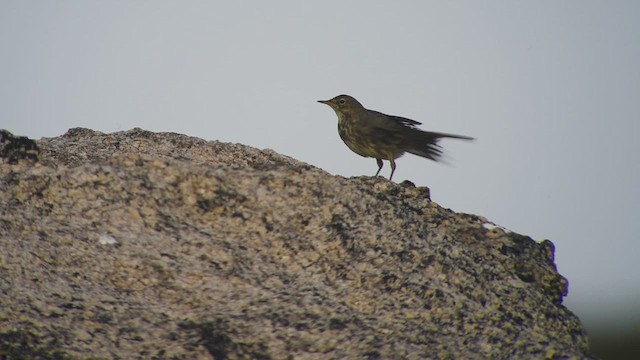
x,y
342,101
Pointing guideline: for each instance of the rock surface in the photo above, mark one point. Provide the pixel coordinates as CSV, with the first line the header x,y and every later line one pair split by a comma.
x,y
162,246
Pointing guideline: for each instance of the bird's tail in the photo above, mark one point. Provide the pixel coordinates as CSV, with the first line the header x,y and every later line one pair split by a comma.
x,y
425,143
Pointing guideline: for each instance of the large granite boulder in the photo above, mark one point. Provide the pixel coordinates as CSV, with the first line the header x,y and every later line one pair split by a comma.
x,y
162,246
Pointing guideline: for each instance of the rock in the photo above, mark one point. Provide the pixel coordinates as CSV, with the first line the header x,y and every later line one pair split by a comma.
x,y
158,245
14,149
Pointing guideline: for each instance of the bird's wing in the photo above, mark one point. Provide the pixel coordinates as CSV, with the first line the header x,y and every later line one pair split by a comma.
x,y
388,129
404,121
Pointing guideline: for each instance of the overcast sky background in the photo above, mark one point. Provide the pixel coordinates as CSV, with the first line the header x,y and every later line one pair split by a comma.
x,y
551,90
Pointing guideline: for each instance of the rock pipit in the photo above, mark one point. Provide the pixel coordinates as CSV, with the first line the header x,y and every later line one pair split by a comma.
x,y
384,137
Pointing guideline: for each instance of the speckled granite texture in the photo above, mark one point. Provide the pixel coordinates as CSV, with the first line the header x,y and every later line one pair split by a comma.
x,y
159,245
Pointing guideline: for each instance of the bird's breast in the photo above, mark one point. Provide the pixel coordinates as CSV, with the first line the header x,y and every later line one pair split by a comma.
x,y
362,141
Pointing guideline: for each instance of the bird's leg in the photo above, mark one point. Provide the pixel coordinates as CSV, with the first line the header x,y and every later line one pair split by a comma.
x,y
393,168
379,161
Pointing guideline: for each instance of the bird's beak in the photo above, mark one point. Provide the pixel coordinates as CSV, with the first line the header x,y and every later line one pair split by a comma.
x,y
326,102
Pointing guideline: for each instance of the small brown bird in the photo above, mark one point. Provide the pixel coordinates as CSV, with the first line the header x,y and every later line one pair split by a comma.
x,y
373,134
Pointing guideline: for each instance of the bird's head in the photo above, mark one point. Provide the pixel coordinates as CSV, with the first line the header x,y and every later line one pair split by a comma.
x,y
343,104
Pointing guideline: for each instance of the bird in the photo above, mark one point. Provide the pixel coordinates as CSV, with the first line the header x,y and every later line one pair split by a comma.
x,y
370,133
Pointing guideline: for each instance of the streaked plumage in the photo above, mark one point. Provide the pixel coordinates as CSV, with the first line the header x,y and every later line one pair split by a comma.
x,y
373,134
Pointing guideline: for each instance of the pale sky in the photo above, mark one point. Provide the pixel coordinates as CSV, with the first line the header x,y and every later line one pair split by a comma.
x,y
551,90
